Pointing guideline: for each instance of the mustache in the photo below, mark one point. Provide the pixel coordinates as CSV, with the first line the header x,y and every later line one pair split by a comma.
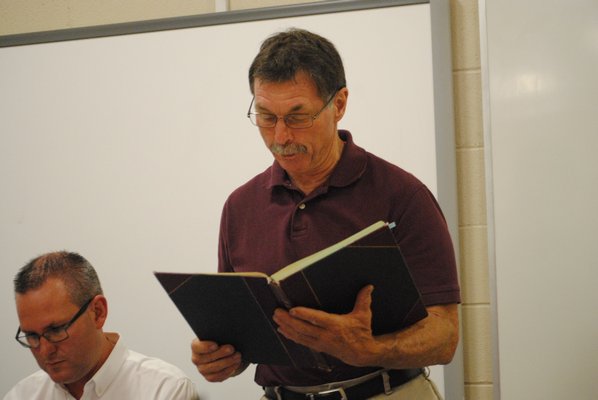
x,y
287,149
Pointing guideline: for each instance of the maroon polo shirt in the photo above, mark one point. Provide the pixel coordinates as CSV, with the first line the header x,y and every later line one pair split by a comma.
x,y
268,223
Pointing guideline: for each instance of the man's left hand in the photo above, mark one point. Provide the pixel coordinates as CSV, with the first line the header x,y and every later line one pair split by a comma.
x,y
346,337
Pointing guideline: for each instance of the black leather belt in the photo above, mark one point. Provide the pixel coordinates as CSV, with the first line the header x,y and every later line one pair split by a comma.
x,y
361,391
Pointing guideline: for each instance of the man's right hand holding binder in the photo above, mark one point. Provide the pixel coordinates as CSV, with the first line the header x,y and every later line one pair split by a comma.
x,y
216,362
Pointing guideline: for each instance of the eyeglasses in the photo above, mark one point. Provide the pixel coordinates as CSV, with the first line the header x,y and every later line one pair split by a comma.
x,y
53,335
294,121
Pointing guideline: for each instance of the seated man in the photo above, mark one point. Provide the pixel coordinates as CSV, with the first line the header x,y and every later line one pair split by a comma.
x,y
61,310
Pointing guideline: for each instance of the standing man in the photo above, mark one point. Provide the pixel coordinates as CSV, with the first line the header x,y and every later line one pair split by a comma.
x,y
321,188
62,310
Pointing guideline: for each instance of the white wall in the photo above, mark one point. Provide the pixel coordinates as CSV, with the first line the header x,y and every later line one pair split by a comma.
x,y
542,128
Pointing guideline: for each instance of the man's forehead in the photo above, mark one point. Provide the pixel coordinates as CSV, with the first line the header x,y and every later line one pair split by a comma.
x,y
51,295
38,310
288,95
301,78
281,105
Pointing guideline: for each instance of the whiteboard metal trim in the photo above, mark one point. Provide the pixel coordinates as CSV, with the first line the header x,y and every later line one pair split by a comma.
x,y
446,170
490,217
194,21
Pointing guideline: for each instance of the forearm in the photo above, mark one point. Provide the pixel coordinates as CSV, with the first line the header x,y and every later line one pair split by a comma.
x,y
348,337
431,341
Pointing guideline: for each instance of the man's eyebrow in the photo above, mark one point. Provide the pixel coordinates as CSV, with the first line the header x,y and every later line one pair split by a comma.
x,y
52,325
264,110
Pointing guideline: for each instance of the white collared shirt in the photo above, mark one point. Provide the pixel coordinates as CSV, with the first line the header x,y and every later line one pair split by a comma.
x,y
125,375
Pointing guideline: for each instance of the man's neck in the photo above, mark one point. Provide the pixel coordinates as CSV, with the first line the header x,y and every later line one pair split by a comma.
x,y
108,342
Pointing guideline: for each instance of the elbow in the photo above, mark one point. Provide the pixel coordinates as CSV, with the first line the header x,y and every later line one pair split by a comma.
x,y
447,356
450,347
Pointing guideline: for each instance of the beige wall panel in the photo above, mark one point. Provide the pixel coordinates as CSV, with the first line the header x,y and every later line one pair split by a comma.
x,y
469,131
110,11
39,15
474,265
472,191
32,16
467,96
246,4
465,34
479,392
477,344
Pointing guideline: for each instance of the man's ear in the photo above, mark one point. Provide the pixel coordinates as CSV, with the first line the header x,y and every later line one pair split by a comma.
x,y
340,103
99,307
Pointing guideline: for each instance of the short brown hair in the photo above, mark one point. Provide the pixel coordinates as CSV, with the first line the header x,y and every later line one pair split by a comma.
x,y
284,54
75,271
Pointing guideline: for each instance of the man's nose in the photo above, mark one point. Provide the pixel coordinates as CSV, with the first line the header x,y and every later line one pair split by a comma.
x,y
45,347
282,133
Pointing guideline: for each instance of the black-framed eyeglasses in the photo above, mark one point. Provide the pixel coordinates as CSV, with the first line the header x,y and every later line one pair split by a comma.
x,y
53,335
294,121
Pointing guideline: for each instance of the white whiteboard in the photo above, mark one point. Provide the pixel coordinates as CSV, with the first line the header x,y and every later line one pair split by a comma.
x,y
542,126
124,149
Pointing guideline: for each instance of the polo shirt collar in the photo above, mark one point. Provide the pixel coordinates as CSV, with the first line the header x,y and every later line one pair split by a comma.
x,y
350,167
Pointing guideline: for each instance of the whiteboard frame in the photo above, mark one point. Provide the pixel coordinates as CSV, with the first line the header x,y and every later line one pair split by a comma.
x,y
195,21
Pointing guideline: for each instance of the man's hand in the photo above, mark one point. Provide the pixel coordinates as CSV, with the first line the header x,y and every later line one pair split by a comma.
x,y
346,337
216,363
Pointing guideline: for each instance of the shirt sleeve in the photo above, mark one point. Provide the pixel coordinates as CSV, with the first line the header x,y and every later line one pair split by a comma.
x,y
183,389
424,239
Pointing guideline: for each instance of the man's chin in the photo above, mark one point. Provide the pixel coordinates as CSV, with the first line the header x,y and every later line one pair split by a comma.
x,y
59,372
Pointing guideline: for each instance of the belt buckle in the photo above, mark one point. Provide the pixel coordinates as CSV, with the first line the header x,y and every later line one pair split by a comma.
x,y
340,390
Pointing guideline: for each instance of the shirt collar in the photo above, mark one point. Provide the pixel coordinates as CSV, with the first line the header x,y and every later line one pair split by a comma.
x,y
349,168
109,370
60,388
